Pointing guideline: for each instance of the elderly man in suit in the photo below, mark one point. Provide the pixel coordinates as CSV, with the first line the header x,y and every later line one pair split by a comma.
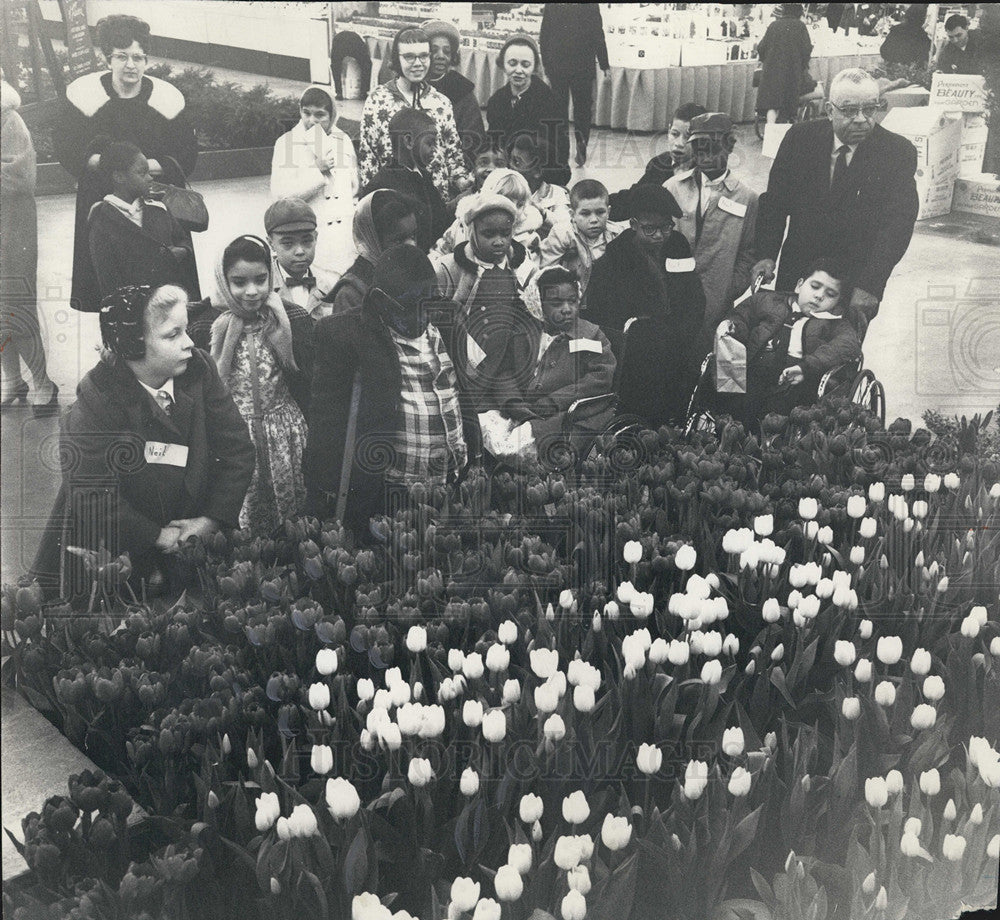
x,y
847,188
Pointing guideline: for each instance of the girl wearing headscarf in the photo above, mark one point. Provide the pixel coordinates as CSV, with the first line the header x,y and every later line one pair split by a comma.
x,y
410,60
315,161
262,347
383,219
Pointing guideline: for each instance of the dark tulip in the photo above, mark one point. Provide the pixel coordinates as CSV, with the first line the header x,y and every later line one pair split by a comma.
x,y
102,833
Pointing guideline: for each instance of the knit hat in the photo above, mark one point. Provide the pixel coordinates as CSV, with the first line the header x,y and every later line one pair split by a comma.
x,y
653,199
435,27
711,124
483,203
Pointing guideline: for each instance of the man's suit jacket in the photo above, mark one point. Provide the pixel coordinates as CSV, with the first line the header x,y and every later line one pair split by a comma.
x,y
868,228
120,486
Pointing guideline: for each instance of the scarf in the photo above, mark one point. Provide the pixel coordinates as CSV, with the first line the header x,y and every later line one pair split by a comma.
x,y
227,330
366,239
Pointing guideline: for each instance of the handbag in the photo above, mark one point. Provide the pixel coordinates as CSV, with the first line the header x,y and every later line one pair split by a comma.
x,y
185,205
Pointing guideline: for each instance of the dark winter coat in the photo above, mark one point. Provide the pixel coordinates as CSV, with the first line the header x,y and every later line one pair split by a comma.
x,y
536,113
432,214
906,43
659,358
111,494
868,229
461,92
349,291
123,253
357,341
784,54
571,37
826,343
92,117
576,365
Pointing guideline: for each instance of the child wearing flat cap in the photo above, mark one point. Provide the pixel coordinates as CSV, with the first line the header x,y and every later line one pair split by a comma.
x,y
290,225
154,450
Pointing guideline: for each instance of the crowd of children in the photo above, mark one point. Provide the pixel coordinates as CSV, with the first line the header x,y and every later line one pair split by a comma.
x,y
446,324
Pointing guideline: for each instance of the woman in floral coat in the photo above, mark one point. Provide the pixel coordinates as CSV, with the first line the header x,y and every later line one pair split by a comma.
x,y
410,60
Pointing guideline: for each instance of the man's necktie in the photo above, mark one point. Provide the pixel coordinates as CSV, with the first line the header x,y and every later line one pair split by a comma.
x,y
165,401
839,179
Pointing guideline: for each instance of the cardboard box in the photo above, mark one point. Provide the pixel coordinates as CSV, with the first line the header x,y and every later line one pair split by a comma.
x,y
937,135
907,97
974,132
957,92
935,196
978,195
773,136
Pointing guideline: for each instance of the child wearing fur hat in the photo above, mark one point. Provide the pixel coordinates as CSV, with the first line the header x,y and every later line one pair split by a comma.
x,y
316,162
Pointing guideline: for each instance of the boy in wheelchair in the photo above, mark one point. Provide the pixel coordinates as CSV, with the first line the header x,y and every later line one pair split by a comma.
x,y
788,342
547,367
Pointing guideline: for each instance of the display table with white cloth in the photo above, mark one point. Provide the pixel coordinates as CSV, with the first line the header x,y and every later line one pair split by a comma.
x,y
631,98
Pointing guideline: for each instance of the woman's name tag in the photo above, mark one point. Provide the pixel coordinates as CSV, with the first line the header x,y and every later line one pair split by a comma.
x,y
732,207
169,454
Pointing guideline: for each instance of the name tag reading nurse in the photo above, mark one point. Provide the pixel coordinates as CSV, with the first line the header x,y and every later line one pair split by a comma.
x,y
167,454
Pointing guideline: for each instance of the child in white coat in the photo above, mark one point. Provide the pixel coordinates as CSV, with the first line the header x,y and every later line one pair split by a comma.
x,y
316,162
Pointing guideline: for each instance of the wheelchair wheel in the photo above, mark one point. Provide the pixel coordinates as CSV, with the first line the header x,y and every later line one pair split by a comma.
x,y
868,392
700,420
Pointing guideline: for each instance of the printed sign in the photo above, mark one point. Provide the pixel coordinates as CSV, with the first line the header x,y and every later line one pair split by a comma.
x,y
958,92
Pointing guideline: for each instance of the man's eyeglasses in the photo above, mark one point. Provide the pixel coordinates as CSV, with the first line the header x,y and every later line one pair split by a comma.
x,y
120,57
852,111
413,58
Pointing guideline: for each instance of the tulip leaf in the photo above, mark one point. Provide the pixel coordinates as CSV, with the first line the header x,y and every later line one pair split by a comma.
x,y
778,679
316,905
356,863
614,898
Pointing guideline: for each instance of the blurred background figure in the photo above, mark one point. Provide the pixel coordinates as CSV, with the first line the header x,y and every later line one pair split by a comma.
x,y
21,334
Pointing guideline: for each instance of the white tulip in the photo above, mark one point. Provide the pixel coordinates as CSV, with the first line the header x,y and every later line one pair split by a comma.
x,y
732,741
923,716
632,552
933,688
342,798
930,782
530,808
649,759
685,558
319,696
885,693
844,653
468,784
464,894
851,708
739,782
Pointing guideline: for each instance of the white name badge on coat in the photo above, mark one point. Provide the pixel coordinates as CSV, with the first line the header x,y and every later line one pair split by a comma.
x,y
679,265
591,345
169,454
732,207
474,351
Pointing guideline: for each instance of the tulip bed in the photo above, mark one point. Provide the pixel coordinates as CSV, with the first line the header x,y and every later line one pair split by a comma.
x,y
705,678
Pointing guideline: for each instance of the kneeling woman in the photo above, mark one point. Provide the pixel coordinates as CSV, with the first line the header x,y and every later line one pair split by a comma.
x,y
262,347
153,451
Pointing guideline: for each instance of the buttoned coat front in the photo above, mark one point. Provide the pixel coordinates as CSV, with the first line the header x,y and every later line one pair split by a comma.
x,y
115,492
724,250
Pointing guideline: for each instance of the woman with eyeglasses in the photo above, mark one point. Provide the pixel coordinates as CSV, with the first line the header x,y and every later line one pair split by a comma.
x,y
410,60
121,104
